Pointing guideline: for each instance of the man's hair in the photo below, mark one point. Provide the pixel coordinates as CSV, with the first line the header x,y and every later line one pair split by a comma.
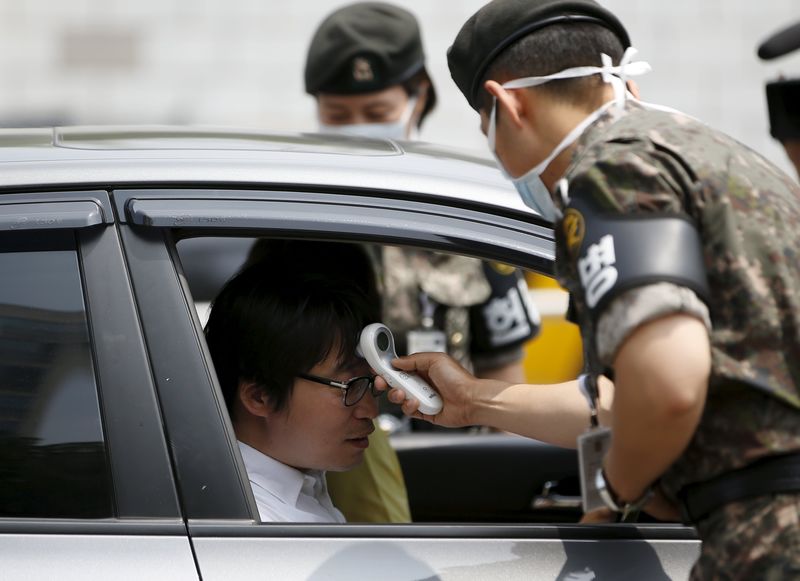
x,y
286,312
412,88
552,49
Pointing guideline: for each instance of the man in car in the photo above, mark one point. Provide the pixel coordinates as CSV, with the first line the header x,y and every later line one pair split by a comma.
x,y
283,339
680,249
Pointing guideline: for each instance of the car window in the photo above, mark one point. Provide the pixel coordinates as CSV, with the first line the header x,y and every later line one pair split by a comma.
x,y
434,462
52,455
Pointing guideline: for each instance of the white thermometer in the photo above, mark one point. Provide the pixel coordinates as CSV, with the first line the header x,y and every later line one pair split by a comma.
x,y
377,346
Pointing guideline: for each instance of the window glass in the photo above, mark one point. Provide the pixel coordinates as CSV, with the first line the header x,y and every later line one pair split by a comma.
x,y
445,472
52,455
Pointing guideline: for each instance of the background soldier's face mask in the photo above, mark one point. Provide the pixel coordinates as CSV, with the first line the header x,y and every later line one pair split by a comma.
x,y
389,130
530,187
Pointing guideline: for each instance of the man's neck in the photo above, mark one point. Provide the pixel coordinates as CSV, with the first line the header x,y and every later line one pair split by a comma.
x,y
562,124
565,118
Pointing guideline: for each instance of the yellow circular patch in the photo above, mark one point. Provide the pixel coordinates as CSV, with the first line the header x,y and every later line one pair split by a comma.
x,y
574,229
504,269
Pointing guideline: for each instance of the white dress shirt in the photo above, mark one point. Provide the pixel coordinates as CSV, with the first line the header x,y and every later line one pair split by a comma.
x,y
285,494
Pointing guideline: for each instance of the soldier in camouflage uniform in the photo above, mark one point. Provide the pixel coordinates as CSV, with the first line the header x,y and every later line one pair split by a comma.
x,y
482,308
748,212
366,70
681,251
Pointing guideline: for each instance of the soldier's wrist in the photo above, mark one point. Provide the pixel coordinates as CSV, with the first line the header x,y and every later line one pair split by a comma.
x,y
483,406
616,478
612,498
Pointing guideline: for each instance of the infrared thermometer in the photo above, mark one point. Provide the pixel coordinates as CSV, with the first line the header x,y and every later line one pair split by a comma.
x,y
377,346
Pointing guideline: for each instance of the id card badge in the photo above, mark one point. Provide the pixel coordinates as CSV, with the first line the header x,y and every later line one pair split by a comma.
x,y
592,447
426,340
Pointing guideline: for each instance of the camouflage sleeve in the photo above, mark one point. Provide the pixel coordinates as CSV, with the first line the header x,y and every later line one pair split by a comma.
x,y
630,177
640,305
633,177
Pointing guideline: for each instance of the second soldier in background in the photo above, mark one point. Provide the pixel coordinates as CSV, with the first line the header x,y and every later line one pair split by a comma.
x,y
366,69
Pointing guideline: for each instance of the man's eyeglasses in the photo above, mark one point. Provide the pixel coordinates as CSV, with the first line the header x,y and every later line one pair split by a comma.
x,y
352,389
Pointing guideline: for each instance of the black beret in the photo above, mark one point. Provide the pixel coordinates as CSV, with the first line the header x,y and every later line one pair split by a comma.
x,y
501,23
782,42
363,47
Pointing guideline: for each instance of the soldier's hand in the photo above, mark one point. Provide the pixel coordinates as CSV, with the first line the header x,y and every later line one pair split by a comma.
x,y
658,507
599,516
454,383
661,508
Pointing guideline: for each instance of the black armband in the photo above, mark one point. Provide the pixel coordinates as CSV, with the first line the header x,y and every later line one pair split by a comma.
x,y
613,253
508,317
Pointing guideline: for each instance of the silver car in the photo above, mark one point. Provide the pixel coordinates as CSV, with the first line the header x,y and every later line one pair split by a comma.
x,y
117,458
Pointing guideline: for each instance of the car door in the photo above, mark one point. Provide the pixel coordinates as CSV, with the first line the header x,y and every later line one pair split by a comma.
x,y
222,517
86,490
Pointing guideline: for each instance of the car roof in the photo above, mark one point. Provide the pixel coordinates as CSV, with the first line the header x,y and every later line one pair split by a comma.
x,y
122,156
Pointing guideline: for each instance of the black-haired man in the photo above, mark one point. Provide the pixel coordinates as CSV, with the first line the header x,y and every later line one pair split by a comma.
x,y
283,339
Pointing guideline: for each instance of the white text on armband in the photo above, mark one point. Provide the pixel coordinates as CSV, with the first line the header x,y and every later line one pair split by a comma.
x,y
506,319
596,270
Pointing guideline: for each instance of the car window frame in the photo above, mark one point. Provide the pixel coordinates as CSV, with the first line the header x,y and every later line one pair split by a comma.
x,y
149,236
137,458
143,479
171,225
193,411
230,210
146,519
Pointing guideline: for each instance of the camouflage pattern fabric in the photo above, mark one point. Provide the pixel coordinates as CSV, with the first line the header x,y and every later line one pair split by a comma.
x,y
753,539
738,426
457,282
640,305
642,162
458,285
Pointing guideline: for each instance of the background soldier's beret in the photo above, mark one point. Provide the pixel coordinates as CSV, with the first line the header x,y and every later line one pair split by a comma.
x,y
363,47
501,23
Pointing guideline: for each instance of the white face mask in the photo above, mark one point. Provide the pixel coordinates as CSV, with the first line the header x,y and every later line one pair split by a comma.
x,y
530,187
389,130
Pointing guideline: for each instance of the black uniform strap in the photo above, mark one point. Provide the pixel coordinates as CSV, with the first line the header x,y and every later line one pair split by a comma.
x,y
507,318
768,475
620,252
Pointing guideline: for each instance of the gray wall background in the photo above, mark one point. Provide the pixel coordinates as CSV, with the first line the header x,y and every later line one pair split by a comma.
x,y
239,62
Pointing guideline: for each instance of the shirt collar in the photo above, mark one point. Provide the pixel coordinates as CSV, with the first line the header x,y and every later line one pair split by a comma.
x,y
279,479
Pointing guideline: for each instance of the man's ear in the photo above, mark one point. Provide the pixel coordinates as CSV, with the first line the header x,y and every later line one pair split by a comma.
x,y
633,88
423,94
253,399
511,101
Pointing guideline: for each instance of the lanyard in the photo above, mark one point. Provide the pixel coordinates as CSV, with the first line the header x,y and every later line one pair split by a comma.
x,y
591,391
427,310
